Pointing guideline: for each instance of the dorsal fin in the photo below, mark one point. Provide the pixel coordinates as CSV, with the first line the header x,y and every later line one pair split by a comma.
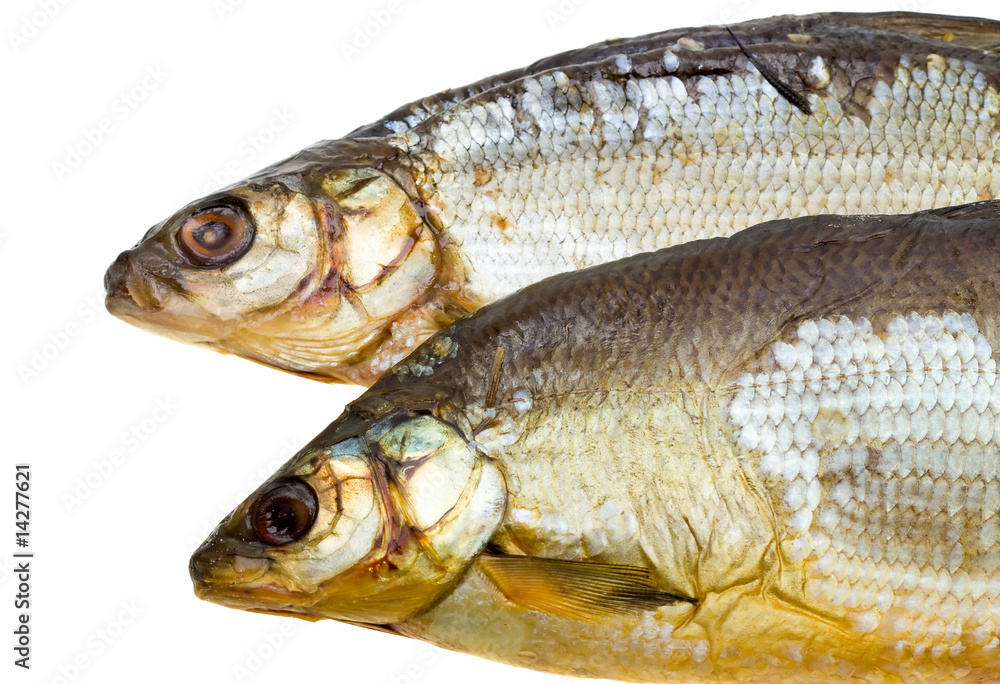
x,y
785,90
973,32
990,209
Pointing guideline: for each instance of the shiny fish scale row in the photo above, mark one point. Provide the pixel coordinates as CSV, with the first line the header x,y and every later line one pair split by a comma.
x,y
571,173
878,450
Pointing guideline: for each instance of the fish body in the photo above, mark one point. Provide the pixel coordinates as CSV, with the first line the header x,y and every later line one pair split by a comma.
x,y
362,247
772,457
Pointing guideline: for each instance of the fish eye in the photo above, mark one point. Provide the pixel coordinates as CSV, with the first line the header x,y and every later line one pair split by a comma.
x,y
284,512
215,237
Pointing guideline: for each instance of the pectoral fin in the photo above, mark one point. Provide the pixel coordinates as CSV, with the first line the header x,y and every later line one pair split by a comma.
x,y
589,592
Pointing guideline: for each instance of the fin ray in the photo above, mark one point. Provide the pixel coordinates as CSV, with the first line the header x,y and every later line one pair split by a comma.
x,y
582,591
973,32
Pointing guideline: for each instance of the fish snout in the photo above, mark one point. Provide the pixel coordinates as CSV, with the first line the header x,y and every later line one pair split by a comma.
x,y
129,287
195,570
116,278
225,562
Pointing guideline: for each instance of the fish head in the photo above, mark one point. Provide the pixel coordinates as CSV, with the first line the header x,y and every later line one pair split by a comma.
x,y
303,268
373,526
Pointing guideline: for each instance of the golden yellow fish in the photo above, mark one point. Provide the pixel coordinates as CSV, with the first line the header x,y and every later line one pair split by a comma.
x,y
338,261
766,458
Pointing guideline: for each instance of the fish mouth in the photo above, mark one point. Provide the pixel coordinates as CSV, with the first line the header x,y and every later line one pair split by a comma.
x,y
125,307
227,562
232,573
269,598
122,303
152,302
257,597
131,291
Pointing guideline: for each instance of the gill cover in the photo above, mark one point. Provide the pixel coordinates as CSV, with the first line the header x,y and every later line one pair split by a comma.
x,y
440,501
381,261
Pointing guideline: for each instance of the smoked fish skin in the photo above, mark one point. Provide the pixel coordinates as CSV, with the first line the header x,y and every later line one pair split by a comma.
x,y
766,458
364,246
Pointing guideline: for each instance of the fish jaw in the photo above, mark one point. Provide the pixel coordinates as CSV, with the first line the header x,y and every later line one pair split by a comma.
x,y
141,304
235,583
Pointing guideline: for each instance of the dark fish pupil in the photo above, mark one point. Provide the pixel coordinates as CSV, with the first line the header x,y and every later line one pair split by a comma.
x,y
283,517
211,235
285,512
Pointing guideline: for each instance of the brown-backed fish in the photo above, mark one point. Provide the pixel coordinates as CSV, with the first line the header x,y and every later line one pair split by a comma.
x,y
339,260
767,458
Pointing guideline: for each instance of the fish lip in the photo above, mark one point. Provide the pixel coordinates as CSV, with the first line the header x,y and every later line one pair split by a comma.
x,y
122,304
265,598
125,308
202,590
129,313
226,571
205,592
115,285
226,563
131,288
142,298
208,591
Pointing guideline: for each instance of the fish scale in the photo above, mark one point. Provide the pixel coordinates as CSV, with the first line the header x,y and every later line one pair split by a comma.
x,y
628,172
908,447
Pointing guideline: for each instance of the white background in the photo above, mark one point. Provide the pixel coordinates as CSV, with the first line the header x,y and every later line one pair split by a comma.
x,y
80,387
